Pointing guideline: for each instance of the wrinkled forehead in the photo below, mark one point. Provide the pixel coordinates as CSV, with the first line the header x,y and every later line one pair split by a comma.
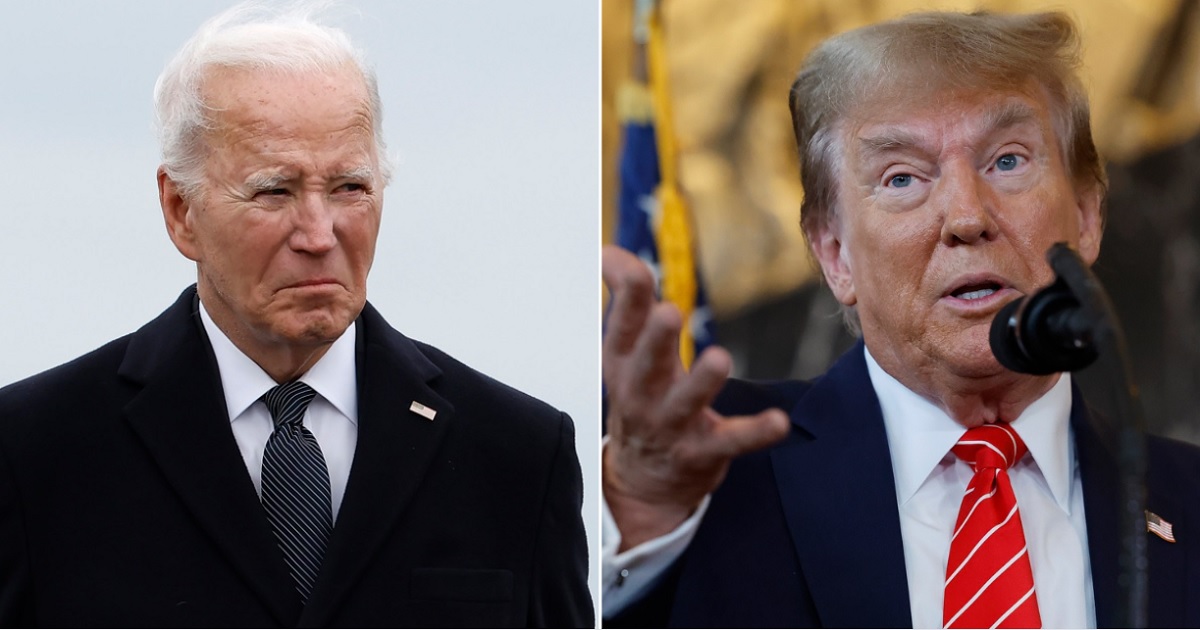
x,y
982,107
897,115
237,96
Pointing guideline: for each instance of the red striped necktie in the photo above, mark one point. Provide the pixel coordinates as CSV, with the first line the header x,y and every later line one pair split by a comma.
x,y
989,583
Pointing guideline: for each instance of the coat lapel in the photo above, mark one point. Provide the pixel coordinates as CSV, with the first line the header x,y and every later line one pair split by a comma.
x,y
1101,489
839,499
180,417
395,448
1097,470
1169,562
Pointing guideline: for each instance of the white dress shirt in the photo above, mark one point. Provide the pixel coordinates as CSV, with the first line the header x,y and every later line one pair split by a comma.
x,y
930,482
332,416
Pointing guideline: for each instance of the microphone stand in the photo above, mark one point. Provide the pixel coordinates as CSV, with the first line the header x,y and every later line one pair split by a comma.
x,y
1114,366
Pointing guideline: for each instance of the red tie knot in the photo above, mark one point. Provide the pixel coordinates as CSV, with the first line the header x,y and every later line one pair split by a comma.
x,y
990,446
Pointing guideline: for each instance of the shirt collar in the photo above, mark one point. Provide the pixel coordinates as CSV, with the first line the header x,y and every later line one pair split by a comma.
x,y
334,377
920,434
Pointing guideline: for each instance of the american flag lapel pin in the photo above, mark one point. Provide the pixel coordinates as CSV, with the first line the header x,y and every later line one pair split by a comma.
x,y
1159,527
428,414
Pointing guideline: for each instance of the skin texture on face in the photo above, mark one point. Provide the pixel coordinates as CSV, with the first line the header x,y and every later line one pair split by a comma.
x,y
283,231
946,209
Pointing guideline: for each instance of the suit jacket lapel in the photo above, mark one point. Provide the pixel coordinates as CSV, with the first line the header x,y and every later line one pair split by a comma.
x,y
395,448
1101,494
1097,470
180,417
839,499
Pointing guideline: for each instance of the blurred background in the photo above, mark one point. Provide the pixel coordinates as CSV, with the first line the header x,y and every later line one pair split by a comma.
x,y
729,155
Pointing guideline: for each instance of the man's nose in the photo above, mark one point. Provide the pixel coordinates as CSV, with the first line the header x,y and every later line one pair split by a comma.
x,y
968,205
312,224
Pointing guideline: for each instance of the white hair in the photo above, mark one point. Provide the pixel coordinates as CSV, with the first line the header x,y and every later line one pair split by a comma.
x,y
253,35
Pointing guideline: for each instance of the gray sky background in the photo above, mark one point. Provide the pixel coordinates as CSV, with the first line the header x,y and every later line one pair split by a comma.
x,y
489,246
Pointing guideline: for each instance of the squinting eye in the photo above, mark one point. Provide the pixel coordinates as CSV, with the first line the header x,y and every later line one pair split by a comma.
x,y
900,181
1006,162
273,192
351,187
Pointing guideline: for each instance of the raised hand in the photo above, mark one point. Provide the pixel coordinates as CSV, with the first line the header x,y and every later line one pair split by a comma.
x,y
667,448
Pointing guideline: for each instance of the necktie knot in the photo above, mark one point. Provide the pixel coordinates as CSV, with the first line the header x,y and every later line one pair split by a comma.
x,y
287,402
990,446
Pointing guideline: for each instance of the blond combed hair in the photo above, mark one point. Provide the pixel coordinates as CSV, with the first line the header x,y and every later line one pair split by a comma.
x,y
924,53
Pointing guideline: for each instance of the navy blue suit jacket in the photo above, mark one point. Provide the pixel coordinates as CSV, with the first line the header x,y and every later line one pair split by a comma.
x,y
124,501
807,533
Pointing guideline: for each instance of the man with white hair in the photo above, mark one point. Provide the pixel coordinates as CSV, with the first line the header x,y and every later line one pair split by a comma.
x,y
918,483
269,451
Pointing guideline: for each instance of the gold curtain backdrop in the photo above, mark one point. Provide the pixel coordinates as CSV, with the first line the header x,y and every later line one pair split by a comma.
x,y
732,62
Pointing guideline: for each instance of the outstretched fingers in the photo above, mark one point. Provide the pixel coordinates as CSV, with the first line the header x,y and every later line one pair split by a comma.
x,y
631,285
737,435
695,391
654,365
716,437
668,447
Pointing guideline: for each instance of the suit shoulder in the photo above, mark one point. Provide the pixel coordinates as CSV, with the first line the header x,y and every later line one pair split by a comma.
x,y
469,388
521,435
1175,458
83,378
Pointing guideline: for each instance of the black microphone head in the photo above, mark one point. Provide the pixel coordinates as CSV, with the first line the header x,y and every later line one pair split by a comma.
x,y
1040,334
1003,339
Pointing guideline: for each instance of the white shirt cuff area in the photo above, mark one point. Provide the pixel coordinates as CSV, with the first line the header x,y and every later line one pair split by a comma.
x,y
627,576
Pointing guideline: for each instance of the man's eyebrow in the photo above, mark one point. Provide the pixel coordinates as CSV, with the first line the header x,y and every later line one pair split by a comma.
x,y
269,180
265,181
1008,115
358,173
889,140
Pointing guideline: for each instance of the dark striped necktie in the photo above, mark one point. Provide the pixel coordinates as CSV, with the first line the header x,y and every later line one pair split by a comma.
x,y
295,485
989,581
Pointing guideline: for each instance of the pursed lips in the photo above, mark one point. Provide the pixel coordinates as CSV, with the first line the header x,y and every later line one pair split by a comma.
x,y
311,282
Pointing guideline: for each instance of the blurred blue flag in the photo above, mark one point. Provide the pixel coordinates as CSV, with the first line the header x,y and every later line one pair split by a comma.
x,y
640,226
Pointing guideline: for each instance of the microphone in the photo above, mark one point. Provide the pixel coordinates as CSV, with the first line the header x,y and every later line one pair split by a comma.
x,y
1049,331
1065,327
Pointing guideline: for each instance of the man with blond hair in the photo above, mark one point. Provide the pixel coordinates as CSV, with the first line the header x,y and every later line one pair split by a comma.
x,y
269,451
918,482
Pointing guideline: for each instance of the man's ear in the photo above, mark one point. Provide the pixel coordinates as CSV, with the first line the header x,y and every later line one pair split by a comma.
x,y
177,214
831,253
1090,203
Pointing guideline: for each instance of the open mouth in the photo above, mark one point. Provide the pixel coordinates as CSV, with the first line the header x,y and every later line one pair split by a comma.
x,y
976,291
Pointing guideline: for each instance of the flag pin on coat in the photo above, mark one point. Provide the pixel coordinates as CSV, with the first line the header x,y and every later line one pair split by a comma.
x,y
428,414
1159,527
